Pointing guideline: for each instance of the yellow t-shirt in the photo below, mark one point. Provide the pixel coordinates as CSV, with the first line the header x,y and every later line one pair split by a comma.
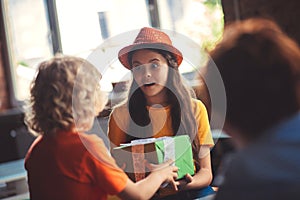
x,y
161,123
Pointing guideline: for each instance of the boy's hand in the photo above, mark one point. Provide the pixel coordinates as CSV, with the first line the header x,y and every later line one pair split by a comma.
x,y
153,167
123,167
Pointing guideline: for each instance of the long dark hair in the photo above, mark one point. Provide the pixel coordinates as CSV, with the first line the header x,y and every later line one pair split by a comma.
x,y
180,101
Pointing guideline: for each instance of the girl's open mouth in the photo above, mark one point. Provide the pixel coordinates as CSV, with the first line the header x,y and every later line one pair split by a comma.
x,y
148,84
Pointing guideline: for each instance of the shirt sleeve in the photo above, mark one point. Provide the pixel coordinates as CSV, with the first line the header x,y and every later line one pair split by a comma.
x,y
204,132
103,168
116,133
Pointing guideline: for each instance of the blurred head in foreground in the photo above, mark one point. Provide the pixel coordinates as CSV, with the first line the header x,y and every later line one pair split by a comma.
x,y
260,68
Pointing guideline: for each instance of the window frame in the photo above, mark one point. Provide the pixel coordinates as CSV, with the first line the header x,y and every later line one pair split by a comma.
x,y
51,17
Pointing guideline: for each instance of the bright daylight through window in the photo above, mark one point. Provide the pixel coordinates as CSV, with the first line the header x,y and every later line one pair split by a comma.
x,y
85,24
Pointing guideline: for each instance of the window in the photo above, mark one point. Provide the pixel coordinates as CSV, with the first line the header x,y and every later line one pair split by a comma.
x,y
83,25
198,20
29,40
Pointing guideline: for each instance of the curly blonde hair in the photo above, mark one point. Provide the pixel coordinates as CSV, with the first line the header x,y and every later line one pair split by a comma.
x,y
64,95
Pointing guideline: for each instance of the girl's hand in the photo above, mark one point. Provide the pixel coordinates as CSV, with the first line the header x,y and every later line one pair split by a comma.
x,y
165,170
182,184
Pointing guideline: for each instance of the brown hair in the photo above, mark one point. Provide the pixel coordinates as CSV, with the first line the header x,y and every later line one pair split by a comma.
x,y
260,68
63,94
180,99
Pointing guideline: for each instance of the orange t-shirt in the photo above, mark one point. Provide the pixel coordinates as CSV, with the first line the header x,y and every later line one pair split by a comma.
x,y
72,165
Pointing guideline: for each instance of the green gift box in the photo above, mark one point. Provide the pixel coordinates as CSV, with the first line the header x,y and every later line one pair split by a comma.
x,y
130,157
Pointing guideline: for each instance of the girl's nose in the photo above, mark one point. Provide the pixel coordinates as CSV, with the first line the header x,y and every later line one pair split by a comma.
x,y
147,72
148,75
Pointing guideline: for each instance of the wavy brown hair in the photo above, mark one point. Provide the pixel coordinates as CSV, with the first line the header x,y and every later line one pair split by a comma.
x,y
63,96
180,101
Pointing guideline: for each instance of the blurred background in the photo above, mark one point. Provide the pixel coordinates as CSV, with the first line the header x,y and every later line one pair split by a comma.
x,y
34,30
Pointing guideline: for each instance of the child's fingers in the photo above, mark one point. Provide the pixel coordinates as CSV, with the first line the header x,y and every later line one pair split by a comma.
x,y
175,169
175,175
173,185
148,165
153,167
188,178
169,162
123,166
165,164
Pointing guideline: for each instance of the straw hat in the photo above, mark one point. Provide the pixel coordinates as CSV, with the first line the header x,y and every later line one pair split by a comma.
x,y
149,38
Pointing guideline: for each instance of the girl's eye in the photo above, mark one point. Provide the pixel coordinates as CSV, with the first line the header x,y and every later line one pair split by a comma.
x,y
136,68
154,65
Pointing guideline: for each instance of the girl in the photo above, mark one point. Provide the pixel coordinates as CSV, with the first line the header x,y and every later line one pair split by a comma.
x,y
160,105
64,162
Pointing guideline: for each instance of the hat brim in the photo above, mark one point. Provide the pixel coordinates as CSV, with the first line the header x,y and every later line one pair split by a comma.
x,y
123,53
